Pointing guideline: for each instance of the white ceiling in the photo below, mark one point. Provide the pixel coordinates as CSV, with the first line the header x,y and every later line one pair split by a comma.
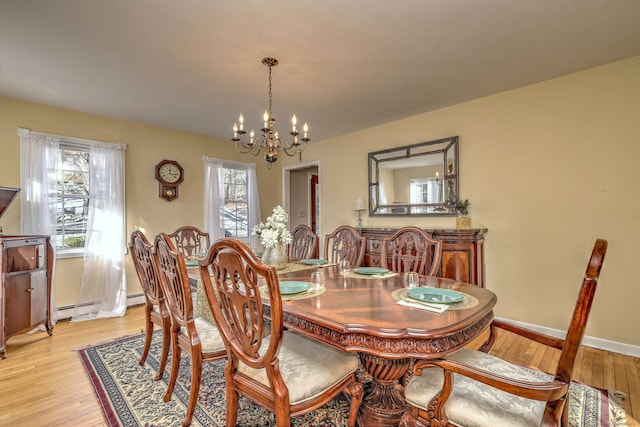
x,y
345,65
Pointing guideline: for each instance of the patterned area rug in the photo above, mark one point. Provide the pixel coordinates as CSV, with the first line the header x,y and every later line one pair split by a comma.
x,y
129,396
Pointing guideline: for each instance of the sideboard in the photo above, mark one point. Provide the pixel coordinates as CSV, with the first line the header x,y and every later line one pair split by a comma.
x,y
462,251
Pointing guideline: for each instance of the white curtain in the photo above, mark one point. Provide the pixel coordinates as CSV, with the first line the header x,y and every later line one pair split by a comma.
x,y
103,291
38,165
214,198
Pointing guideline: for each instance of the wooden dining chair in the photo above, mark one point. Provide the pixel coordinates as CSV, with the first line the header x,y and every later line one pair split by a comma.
x,y
411,249
155,310
285,372
199,338
345,243
304,244
190,241
473,388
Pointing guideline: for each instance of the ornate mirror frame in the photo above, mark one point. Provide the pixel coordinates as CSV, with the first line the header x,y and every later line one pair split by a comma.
x,y
414,180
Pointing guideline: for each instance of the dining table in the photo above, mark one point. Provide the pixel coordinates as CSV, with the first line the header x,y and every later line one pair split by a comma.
x,y
373,315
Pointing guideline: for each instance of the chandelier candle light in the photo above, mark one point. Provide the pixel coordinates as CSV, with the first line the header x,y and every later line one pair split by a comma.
x,y
270,140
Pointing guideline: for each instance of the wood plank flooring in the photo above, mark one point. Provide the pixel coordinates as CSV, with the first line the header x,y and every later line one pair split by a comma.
x,y
42,382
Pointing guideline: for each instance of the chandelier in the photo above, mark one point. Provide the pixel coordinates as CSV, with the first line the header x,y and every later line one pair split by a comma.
x,y
270,141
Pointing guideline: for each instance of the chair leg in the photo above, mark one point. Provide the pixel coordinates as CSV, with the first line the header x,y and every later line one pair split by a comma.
x,y
175,366
356,391
148,336
196,375
166,343
232,400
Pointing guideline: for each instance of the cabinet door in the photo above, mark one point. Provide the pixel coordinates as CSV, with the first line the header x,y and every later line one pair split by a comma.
x,y
18,307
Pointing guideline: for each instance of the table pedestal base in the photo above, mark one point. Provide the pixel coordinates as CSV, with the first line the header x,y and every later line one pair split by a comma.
x,y
383,403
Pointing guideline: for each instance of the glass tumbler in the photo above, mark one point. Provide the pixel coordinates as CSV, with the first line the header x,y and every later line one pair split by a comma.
x,y
411,280
345,267
317,278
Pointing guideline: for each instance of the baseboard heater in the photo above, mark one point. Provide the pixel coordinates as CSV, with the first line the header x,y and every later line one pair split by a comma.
x,y
67,311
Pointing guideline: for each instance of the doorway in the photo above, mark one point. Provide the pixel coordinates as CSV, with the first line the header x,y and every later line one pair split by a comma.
x,y
301,195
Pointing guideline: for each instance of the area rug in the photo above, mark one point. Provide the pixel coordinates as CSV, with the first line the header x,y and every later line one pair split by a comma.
x,y
128,395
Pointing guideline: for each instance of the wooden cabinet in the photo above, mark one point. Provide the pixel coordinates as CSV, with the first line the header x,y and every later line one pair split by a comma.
x,y
25,294
462,251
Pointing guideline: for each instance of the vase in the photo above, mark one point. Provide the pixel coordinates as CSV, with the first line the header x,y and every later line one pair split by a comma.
x,y
276,256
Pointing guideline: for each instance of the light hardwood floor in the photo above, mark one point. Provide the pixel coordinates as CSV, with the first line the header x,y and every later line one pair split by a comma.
x,y
42,382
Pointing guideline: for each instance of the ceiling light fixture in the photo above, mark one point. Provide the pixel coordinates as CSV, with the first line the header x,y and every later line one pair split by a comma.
x,y
270,141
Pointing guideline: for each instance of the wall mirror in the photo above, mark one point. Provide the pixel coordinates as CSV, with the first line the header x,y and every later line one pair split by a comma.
x,y
414,179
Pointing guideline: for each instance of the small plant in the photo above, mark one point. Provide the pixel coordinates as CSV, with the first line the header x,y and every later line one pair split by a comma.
x,y
460,207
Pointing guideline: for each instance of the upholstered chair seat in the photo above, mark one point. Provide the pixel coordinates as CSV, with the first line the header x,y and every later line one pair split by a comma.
x,y
308,368
209,335
475,404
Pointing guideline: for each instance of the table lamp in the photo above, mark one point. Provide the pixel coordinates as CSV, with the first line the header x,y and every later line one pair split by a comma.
x,y
358,205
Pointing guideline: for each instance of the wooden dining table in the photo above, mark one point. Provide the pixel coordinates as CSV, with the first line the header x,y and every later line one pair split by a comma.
x,y
361,313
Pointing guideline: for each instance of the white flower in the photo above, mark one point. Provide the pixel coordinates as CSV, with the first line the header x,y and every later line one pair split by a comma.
x,y
274,230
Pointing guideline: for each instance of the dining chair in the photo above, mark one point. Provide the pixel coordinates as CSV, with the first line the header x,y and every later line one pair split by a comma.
x,y
473,388
304,244
199,338
345,243
411,249
155,310
285,372
190,241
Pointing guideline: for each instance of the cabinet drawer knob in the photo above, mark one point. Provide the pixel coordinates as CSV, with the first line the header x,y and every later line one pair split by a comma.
x,y
31,289
376,245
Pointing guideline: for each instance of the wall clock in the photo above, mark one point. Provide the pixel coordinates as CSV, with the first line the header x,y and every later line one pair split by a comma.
x,y
169,174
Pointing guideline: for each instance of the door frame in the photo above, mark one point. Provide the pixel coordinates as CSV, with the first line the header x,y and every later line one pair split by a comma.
x,y
286,189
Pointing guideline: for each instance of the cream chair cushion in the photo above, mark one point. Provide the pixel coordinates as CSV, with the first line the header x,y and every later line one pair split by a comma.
x,y
308,368
474,404
209,334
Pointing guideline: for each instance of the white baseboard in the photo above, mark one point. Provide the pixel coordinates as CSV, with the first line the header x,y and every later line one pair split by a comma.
x,y
614,346
67,312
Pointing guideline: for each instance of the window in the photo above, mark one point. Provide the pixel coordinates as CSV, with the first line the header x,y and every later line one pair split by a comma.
x,y
234,211
72,198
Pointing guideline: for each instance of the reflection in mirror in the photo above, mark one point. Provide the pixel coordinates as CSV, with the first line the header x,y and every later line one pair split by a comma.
x,y
414,179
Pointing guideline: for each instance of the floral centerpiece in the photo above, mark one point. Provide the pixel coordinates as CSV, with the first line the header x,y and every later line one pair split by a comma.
x,y
274,235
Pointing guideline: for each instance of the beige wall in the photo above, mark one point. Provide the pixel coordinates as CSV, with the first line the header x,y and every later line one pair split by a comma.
x,y
548,168
146,146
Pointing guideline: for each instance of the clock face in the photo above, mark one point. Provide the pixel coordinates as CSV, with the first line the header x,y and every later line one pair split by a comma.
x,y
169,173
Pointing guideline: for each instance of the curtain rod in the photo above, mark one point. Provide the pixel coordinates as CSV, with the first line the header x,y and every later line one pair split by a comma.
x,y
71,139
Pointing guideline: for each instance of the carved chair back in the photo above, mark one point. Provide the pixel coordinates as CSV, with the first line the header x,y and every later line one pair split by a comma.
x,y
345,243
412,249
146,268
305,243
190,241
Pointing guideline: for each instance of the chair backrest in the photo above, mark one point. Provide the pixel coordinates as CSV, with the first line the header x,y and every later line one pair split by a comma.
x,y
581,311
146,268
412,249
345,243
190,241
304,244
231,275
175,283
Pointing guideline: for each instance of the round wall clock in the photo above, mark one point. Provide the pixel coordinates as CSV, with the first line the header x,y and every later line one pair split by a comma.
x,y
169,174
